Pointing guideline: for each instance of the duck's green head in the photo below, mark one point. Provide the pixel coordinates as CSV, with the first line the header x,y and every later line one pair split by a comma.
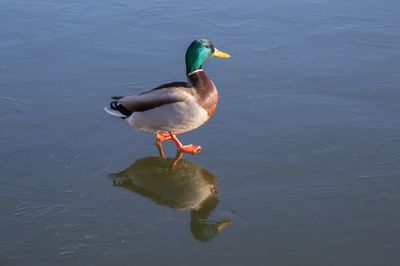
x,y
198,52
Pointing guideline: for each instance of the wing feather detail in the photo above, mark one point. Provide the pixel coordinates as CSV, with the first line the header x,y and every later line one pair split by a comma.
x,y
154,98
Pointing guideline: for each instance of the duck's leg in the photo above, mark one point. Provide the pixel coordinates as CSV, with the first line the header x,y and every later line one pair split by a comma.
x,y
160,137
193,149
177,158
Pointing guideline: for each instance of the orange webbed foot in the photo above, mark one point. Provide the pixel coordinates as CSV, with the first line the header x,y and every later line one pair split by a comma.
x,y
191,148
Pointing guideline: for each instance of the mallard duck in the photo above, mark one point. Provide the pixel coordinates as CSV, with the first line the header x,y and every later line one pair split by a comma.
x,y
187,187
176,107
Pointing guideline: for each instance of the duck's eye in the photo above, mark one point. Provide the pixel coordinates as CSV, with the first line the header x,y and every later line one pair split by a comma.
x,y
208,46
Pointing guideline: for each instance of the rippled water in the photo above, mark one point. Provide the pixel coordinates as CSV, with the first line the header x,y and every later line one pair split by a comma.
x,y
300,163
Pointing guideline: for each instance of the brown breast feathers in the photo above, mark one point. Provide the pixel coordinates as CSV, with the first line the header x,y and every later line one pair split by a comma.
x,y
207,95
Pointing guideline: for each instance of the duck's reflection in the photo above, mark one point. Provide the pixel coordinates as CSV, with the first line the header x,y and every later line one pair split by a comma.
x,y
179,184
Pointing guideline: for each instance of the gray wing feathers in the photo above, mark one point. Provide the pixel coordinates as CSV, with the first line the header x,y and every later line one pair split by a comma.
x,y
154,98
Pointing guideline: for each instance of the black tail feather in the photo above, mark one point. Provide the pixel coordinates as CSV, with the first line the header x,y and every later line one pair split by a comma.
x,y
114,105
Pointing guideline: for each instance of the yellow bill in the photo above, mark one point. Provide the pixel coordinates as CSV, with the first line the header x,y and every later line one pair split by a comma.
x,y
221,225
218,53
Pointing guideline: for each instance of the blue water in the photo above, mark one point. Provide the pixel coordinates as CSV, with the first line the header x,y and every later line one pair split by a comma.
x,y
300,164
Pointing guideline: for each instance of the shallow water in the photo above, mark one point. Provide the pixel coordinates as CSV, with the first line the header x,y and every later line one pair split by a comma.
x,y
300,165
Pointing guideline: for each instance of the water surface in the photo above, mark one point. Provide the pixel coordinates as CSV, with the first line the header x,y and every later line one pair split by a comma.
x,y
300,165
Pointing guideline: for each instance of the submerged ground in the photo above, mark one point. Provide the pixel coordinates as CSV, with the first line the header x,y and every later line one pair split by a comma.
x,y
300,163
